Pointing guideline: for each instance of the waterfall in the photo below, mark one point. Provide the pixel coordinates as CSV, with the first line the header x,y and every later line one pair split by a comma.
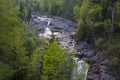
x,y
81,69
47,31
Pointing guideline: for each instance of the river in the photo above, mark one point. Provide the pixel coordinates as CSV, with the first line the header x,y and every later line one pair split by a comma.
x,y
81,68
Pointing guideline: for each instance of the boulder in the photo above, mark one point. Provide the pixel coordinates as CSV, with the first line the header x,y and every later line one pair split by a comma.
x,y
89,54
105,76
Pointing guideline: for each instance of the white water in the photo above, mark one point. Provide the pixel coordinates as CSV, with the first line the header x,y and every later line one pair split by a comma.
x,y
80,71
47,33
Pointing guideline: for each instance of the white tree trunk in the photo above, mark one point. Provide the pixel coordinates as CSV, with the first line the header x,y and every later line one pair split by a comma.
x,y
112,24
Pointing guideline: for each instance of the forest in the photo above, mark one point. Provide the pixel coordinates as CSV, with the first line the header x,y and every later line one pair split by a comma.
x,y
25,56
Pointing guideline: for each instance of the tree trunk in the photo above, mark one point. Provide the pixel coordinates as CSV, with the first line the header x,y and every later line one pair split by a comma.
x,y
93,36
112,24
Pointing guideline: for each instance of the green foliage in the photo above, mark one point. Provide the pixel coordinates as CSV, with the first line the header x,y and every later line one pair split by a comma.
x,y
16,47
36,58
5,72
53,9
97,19
84,8
24,10
118,14
95,11
76,12
80,30
34,70
62,8
54,64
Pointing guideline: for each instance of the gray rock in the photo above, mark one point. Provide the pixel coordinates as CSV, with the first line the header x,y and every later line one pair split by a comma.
x,y
105,76
105,62
95,77
89,54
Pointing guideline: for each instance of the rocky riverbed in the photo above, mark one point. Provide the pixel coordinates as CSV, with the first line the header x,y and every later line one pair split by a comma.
x,y
66,32
57,24
98,67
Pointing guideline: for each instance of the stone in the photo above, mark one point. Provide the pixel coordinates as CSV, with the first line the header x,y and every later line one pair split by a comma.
x,y
105,62
105,76
95,77
89,54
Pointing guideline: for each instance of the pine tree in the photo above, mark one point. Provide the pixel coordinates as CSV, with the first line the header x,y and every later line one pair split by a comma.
x,y
13,36
54,64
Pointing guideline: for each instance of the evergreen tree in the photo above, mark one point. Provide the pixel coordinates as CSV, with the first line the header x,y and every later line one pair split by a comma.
x,y
54,64
13,36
